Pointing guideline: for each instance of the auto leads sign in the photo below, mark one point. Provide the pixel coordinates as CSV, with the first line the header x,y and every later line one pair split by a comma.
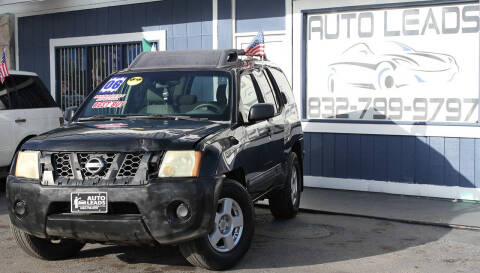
x,y
410,64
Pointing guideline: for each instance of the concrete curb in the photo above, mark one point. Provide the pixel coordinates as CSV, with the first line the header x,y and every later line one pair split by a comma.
x,y
406,221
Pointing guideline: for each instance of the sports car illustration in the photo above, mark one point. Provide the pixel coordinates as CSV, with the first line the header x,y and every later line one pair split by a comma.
x,y
389,65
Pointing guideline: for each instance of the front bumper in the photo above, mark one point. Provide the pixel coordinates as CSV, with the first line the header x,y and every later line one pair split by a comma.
x,y
47,211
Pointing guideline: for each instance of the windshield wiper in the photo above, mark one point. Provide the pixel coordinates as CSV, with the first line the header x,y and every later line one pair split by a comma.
x,y
175,117
100,117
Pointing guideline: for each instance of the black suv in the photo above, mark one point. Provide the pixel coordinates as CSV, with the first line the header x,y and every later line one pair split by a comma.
x,y
174,149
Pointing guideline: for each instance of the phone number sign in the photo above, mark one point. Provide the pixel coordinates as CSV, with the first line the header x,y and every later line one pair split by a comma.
x,y
418,64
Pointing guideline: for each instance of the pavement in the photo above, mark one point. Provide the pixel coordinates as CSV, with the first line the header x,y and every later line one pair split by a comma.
x,y
421,210
312,242
337,231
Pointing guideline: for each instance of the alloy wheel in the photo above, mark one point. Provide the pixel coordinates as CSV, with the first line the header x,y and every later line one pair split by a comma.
x,y
228,226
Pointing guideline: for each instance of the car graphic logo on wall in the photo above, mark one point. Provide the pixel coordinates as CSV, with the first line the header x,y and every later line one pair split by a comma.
x,y
387,65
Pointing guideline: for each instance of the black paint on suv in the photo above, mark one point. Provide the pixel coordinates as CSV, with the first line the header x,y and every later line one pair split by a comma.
x,y
174,150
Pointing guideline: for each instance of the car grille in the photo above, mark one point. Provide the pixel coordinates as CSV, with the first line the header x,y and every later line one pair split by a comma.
x,y
114,208
70,169
130,165
61,163
84,157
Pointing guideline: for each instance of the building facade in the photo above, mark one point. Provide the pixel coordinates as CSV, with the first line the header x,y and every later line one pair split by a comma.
x,y
388,90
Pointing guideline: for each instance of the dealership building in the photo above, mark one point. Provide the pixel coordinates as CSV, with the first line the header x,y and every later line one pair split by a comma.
x,y
387,90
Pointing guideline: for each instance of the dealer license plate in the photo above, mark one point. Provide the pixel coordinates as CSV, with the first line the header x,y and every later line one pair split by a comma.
x,y
89,202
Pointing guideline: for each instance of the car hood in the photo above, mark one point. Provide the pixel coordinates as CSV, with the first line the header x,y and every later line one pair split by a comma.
x,y
125,136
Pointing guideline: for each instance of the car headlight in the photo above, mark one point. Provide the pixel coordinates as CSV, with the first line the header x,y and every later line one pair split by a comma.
x,y
27,165
180,164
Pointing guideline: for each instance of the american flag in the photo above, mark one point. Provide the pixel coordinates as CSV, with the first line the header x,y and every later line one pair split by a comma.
x,y
3,67
257,46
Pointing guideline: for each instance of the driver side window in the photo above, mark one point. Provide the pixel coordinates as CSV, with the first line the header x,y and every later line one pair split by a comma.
x,y
248,96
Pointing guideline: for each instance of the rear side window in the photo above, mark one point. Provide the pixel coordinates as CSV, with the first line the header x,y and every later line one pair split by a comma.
x,y
283,84
29,92
266,89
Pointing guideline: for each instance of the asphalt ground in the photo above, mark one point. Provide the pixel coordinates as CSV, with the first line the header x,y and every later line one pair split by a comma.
x,y
309,243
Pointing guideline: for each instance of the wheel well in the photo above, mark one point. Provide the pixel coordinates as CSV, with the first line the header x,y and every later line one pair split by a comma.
x,y
21,143
297,149
237,175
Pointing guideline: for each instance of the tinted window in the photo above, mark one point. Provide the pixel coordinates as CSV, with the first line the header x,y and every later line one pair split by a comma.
x,y
248,96
29,92
283,84
267,91
4,99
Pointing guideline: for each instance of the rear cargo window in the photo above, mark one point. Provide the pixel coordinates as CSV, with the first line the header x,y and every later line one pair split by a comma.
x,y
29,92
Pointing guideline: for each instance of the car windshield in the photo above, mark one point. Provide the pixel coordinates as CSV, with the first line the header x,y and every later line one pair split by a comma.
x,y
196,94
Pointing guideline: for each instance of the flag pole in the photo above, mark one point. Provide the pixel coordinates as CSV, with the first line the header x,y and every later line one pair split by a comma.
x,y
4,76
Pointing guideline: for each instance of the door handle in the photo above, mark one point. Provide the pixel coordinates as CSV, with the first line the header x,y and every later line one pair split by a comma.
x,y
20,120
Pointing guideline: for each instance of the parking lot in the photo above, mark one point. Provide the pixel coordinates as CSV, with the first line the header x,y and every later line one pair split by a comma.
x,y
309,243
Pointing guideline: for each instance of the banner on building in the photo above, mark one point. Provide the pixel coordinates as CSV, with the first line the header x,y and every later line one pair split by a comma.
x,y
416,64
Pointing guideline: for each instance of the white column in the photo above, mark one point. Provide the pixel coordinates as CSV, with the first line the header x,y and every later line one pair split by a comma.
x,y
215,24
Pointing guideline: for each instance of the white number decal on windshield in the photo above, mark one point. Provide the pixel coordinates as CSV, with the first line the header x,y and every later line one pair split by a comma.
x,y
112,85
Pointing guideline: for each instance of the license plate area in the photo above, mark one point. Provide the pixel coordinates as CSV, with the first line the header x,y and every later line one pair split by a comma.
x,y
89,202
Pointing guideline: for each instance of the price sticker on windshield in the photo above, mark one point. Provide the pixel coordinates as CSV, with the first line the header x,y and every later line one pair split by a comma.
x,y
112,85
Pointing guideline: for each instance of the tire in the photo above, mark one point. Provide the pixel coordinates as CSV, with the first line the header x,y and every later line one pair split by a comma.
x,y
202,253
45,249
284,203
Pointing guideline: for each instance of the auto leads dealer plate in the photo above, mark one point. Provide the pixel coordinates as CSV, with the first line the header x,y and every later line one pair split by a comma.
x,y
89,202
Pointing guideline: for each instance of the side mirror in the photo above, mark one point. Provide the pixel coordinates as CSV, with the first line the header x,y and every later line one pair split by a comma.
x,y
261,111
69,113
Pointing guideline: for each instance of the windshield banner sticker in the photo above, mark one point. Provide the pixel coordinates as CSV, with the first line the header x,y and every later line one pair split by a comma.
x,y
108,104
134,81
413,64
111,97
112,85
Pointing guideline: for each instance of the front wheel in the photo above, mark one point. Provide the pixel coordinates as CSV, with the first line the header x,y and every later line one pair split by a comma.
x,y
284,203
232,234
46,249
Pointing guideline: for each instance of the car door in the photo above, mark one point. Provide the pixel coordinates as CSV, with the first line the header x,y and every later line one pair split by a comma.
x,y
6,121
37,111
289,108
19,104
275,124
256,158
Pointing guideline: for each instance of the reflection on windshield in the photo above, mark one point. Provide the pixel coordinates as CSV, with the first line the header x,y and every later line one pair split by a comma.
x,y
198,94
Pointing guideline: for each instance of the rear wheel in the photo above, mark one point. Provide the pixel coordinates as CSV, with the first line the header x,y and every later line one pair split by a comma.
x,y
46,249
232,235
284,203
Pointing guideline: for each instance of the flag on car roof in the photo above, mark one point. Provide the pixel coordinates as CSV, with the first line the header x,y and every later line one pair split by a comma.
x,y
256,46
3,67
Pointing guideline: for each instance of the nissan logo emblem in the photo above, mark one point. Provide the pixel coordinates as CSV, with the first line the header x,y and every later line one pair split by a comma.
x,y
95,165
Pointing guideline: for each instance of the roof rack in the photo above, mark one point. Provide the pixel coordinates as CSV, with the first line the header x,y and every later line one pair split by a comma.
x,y
242,55
193,58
